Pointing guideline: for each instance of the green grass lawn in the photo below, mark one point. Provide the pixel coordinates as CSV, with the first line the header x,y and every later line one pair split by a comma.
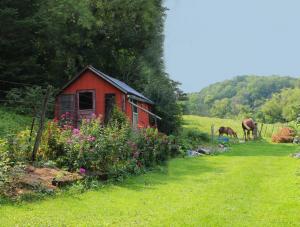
x,y
256,184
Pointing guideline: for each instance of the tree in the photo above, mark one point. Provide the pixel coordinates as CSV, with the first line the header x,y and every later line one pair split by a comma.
x,y
123,38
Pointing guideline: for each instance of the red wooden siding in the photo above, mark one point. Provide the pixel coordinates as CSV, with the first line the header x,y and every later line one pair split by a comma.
x,y
90,81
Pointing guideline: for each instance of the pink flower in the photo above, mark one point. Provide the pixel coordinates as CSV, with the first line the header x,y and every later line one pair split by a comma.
x,y
82,170
76,131
91,138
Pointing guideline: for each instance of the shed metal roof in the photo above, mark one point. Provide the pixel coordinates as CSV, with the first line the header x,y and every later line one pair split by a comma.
x,y
113,81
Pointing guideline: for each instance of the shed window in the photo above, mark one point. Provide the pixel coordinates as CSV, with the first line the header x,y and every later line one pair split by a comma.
x,y
66,104
86,101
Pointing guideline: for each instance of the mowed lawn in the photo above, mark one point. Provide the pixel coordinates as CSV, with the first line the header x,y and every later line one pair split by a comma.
x,y
256,184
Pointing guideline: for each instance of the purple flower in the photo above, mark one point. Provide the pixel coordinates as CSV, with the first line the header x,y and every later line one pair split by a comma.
x,y
76,131
91,138
82,170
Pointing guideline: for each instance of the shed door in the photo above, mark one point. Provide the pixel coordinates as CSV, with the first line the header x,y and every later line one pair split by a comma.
x,y
85,104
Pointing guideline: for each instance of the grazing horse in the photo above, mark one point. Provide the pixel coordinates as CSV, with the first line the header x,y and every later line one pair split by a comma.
x,y
248,126
228,131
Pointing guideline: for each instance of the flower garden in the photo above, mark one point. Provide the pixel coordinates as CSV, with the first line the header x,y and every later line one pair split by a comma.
x,y
94,150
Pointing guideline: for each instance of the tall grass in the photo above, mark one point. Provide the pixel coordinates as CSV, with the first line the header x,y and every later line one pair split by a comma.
x,y
11,122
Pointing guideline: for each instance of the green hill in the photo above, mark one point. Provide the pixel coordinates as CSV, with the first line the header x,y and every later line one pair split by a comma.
x,y
241,96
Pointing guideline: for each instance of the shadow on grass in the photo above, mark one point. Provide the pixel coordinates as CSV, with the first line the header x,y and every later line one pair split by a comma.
x,y
262,148
176,171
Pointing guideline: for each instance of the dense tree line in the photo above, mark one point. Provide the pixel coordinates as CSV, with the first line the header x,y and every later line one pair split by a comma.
x,y
269,99
50,41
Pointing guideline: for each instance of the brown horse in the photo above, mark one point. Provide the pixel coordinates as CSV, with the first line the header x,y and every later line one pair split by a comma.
x,y
228,131
248,126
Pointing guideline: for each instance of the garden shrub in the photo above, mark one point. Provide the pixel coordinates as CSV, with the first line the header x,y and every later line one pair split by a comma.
x,y
20,146
191,138
100,150
196,135
109,151
152,147
53,142
10,170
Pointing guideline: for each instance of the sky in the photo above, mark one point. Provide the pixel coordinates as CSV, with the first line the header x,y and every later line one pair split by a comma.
x,y
207,41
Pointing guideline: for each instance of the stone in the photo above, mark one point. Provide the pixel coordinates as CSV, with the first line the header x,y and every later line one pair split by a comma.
x,y
296,155
204,150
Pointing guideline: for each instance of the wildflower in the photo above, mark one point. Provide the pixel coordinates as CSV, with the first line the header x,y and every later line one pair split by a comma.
x,y
91,138
82,170
76,131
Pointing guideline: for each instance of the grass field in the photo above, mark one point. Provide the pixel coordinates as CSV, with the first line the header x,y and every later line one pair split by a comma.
x,y
11,122
204,124
256,184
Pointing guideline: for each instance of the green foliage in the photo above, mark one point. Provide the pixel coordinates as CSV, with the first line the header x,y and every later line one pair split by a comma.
x,y
11,123
190,138
118,117
28,100
10,169
50,41
106,152
20,146
283,106
152,148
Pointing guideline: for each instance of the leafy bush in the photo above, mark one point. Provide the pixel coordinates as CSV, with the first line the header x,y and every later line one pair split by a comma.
x,y
197,136
10,170
152,147
27,100
12,123
110,151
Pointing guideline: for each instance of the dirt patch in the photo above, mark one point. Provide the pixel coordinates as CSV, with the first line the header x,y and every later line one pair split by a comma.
x,y
43,179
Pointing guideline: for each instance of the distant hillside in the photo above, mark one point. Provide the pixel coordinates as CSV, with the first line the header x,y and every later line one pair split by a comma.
x,y
238,97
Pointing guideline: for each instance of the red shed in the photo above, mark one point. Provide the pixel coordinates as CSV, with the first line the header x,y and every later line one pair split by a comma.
x,y
93,92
